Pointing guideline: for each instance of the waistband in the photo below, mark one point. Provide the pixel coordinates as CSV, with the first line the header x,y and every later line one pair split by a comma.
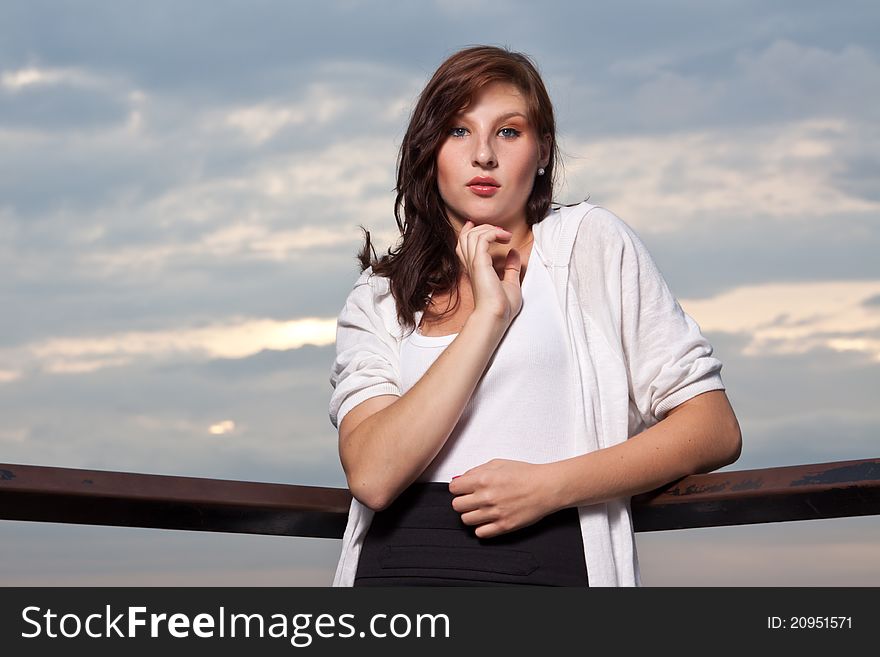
x,y
420,539
428,505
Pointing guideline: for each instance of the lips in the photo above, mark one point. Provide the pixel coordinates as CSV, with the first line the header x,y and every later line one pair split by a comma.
x,y
483,181
483,186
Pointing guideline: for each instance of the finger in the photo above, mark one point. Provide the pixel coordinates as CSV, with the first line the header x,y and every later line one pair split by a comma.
x,y
487,231
461,485
464,247
467,241
462,244
488,530
512,267
478,517
465,503
460,253
465,229
478,239
483,228
473,241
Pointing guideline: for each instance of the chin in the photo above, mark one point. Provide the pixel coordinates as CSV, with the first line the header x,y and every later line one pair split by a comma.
x,y
481,214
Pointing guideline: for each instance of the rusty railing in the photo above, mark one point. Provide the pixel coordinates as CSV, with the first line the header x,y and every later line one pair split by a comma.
x,y
97,497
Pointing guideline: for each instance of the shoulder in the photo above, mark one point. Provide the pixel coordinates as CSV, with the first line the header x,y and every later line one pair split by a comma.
x,y
583,231
563,226
602,222
371,294
370,284
603,231
368,277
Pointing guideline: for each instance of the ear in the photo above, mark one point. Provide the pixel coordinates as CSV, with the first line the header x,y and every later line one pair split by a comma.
x,y
544,146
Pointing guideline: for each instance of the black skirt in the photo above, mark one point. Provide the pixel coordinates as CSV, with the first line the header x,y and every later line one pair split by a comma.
x,y
420,540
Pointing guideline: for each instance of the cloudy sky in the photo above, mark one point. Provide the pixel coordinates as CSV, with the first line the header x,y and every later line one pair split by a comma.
x,y
181,185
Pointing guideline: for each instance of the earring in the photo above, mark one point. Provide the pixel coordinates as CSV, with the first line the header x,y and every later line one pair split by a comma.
x,y
541,171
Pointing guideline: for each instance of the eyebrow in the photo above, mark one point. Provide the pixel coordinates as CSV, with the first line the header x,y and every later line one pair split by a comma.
x,y
510,115
503,117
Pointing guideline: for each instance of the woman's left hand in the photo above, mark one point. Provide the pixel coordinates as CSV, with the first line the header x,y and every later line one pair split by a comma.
x,y
501,496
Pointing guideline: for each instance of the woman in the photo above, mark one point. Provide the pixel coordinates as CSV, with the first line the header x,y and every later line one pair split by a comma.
x,y
511,374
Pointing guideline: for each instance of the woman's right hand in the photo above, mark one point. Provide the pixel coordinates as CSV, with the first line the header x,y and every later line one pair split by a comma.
x,y
498,298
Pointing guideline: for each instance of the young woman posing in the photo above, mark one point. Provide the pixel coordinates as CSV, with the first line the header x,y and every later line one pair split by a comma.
x,y
511,374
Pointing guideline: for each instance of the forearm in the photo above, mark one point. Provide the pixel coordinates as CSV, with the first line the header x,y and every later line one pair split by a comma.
x,y
391,448
698,436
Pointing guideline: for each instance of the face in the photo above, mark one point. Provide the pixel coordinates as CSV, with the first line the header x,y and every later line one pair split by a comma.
x,y
492,142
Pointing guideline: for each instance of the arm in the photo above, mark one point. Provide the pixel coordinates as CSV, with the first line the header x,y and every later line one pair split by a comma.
x,y
700,435
387,450
385,444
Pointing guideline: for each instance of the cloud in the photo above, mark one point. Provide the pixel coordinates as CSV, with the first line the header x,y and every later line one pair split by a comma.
x,y
26,77
260,123
235,338
804,78
64,100
822,432
7,376
777,82
741,83
235,242
14,434
33,76
268,413
783,172
779,318
143,144
794,318
222,427
284,207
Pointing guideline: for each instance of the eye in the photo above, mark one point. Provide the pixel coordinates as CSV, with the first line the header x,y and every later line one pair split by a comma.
x,y
458,132
509,132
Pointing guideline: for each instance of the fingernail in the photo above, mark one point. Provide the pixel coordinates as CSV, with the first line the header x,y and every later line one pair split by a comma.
x,y
456,476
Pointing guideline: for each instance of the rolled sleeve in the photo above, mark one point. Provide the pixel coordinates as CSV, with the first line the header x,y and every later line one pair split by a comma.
x,y
668,359
367,357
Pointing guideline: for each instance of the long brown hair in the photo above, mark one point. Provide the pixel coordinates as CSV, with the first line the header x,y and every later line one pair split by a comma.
x,y
424,262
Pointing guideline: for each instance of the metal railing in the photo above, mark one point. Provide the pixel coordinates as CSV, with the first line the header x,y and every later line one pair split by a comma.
x,y
97,497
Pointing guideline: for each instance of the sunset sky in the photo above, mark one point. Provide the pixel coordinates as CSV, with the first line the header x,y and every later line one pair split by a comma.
x,y
181,185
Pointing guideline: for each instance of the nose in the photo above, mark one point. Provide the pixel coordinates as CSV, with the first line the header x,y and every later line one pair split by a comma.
x,y
484,154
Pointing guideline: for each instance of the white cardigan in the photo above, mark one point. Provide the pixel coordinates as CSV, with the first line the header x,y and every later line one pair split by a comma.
x,y
638,355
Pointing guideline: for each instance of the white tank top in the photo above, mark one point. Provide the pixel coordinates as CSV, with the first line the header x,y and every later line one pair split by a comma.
x,y
523,407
